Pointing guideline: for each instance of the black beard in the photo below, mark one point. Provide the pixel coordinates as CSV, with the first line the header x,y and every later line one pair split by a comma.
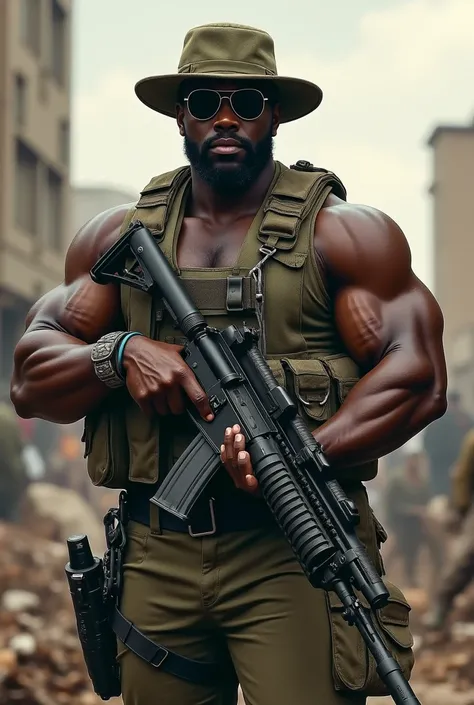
x,y
229,181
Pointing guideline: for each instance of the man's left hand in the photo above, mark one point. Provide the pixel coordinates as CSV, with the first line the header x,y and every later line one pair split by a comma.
x,y
236,460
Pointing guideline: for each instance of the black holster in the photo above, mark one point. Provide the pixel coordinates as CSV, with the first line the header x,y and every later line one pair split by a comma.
x,y
95,586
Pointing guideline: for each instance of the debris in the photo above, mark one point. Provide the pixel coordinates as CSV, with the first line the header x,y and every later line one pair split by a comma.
x,y
41,659
19,600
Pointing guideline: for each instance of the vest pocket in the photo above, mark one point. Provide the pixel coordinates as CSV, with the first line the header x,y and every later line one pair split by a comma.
x,y
344,373
308,382
317,386
353,667
143,436
106,446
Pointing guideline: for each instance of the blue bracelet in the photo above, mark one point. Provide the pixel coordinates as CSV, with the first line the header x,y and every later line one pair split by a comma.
x,y
121,348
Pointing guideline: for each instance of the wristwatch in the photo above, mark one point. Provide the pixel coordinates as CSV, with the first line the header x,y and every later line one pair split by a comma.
x,y
103,355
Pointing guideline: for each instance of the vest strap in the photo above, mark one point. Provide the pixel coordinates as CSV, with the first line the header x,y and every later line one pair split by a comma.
x,y
159,194
225,294
284,213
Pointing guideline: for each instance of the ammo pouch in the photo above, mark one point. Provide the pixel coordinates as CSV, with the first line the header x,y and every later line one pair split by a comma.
x,y
121,443
353,666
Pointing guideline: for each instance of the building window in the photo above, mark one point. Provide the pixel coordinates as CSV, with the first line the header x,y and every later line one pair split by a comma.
x,y
58,45
26,188
54,209
63,142
19,101
30,25
43,85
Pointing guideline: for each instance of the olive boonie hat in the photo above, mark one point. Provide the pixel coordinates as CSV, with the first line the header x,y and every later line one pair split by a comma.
x,y
229,51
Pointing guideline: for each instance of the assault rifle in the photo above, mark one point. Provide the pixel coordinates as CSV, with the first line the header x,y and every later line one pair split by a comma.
x,y
312,510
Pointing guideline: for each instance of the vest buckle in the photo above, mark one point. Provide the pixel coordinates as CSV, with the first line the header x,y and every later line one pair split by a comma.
x,y
235,294
267,252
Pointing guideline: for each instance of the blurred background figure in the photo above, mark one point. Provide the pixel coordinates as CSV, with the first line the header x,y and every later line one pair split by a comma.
x,y
460,569
13,469
406,495
442,441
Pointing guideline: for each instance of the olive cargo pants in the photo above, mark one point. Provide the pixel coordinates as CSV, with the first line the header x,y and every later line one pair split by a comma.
x,y
244,594
242,591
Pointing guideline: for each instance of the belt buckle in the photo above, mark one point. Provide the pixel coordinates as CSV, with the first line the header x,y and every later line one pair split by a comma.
x,y
163,658
212,531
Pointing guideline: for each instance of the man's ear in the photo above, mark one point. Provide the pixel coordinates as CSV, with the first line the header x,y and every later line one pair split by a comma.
x,y
180,118
275,119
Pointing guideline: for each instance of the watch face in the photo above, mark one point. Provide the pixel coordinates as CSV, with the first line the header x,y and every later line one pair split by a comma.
x,y
101,351
104,347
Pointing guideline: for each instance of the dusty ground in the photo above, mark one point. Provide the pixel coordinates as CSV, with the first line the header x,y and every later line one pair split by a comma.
x,y
41,662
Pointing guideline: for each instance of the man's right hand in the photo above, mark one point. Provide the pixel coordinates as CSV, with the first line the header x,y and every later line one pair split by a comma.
x,y
158,378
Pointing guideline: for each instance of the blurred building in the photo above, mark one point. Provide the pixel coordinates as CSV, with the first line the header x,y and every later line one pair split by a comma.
x,y
35,56
453,230
88,201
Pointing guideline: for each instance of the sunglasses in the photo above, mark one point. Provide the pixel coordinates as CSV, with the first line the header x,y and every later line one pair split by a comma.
x,y
246,103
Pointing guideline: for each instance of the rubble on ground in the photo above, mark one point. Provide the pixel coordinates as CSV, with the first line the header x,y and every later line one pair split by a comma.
x,y
59,512
444,667
41,659
448,658
40,656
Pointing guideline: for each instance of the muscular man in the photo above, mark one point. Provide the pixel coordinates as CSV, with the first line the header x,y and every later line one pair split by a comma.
x,y
346,325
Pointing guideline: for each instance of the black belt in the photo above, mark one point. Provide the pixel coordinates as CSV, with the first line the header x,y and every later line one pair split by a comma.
x,y
209,517
226,513
203,672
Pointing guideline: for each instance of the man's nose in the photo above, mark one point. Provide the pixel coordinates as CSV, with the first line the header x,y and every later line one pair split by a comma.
x,y
226,119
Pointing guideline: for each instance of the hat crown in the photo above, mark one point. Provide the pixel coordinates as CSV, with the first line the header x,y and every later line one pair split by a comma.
x,y
228,48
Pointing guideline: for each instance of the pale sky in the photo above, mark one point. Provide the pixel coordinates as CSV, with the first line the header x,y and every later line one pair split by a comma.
x,y
390,70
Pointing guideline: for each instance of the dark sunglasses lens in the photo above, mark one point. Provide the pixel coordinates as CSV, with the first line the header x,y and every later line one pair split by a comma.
x,y
248,103
203,103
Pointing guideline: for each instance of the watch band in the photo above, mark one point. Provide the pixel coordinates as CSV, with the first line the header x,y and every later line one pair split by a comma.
x,y
103,359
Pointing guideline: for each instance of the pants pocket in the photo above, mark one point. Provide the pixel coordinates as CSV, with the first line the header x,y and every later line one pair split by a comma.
x,y
137,544
354,668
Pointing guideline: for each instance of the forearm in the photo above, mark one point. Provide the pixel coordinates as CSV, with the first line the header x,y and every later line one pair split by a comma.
x,y
54,378
388,406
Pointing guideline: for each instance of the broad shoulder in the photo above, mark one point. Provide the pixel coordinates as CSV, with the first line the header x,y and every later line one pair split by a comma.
x,y
354,240
94,238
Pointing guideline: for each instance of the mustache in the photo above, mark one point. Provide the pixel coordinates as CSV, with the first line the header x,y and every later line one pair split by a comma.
x,y
242,142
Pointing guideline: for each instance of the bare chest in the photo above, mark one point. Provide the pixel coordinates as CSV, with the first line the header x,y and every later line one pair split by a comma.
x,y
208,246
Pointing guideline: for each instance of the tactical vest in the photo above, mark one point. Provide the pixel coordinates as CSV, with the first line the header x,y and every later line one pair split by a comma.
x,y
276,284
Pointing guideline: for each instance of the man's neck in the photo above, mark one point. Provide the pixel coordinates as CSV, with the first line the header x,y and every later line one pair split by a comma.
x,y
208,204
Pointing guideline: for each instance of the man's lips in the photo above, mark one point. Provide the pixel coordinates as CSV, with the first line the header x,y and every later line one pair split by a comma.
x,y
226,146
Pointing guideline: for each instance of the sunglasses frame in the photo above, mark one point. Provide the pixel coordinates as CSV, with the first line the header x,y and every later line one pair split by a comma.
x,y
226,95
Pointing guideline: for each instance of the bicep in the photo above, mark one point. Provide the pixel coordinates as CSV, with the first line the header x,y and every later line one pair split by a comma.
x,y
372,326
380,305
81,309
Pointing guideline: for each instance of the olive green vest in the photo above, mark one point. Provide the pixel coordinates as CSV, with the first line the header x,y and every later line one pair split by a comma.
x,y
301,341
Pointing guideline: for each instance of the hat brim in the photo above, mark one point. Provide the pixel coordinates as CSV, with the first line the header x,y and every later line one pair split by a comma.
x,y
296,96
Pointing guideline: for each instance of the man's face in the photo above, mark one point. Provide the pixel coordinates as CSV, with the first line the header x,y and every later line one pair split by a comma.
x,y
226,148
